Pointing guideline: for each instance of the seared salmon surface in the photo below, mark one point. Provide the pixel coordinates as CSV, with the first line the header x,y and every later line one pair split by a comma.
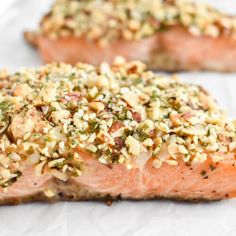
x,y
168,35
111,132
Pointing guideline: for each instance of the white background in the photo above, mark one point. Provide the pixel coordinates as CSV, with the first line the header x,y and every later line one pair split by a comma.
x,y
122,218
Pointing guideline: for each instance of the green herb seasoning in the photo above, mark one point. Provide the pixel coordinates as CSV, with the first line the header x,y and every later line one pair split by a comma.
x,y
50,115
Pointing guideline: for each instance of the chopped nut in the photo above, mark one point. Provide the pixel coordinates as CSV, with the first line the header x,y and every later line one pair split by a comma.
x,y
102,160
134,25
194,131
105,68
14,156
173,150
59,116
232,146
216,157
5,173
212,31
131,99
98,106
102,82
56,162
212,147
93,92
148,142
91,148
182,149
119,61
172,162
133,144
39,168
195,30
157,163
200,157
59,175
49,193
22,90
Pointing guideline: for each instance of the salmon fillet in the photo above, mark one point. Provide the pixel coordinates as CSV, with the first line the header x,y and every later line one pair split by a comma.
x,y
111,132
166,35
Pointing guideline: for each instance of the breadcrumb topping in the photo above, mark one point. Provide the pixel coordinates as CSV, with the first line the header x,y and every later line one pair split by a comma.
x,y
107,20
119,114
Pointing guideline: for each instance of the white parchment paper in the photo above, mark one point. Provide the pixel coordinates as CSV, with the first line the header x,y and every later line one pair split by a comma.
x,y
125,218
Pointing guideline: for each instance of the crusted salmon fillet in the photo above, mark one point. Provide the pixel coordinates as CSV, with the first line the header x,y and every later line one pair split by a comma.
x,y
111,132
167,35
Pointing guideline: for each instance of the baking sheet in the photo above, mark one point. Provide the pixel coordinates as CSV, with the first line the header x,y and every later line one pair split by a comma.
x,y
125,218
